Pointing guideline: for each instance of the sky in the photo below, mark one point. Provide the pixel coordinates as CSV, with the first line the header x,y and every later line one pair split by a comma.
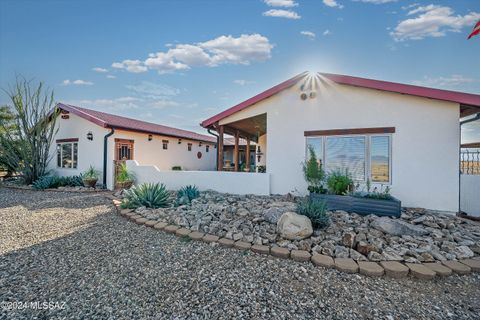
x,y
179,62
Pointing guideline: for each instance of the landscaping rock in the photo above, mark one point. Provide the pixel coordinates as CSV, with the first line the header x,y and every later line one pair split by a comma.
x,y
457,267
397,227
277,209
371,269
420,271
394,269
322,260
346,265
224,242
463,252
293,226
473,264
260,249
440,269
241,245
300,255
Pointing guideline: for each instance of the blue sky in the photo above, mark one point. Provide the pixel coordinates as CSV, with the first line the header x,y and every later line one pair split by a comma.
x,y
179,62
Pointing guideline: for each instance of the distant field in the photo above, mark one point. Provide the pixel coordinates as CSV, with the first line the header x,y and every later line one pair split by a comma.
x,y
470,167
380,172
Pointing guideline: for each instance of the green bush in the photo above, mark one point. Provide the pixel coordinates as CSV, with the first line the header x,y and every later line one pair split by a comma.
x,y
339,183
177,168
53,182
90,174
313,172
186,194
124,175
316,211
150,195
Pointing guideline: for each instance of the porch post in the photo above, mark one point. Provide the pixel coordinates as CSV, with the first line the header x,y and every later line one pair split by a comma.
x,y
247,155
220,149
236,151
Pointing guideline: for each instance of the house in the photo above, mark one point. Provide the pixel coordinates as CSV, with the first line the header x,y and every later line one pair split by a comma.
x,y
229,151
402,136
88,137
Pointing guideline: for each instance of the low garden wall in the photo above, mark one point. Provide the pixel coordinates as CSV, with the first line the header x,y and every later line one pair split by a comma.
x,y
470,200
221,181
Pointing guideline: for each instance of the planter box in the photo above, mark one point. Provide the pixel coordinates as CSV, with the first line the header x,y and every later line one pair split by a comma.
x,y
363,206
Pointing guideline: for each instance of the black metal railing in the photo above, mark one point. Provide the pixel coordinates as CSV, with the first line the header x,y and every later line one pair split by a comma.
x,y
470,161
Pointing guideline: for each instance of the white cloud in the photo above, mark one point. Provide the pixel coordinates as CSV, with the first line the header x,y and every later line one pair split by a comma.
x,y
243,82
110,76
101,70
135,66
278,13
122,103
376,1
332,4
281,3
327,32
308,34
165,103
451,82
153,90
222,50
432,21
76,82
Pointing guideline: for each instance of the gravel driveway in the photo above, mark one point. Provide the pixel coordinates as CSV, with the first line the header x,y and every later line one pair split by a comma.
x,y
71,250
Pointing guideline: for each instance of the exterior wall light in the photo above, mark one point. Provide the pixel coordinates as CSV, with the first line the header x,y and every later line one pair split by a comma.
x,y
303,96
179,141
199,144
90,135
313,94
150,137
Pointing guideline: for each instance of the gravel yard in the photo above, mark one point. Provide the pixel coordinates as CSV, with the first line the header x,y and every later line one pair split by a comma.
x,y
71,249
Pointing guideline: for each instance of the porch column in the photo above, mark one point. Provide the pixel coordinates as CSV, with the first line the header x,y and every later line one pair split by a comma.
x,y
247,155
220,149
236,151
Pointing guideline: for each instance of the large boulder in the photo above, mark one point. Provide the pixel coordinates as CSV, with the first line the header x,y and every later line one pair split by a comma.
x,y
293,226
396,227
276,210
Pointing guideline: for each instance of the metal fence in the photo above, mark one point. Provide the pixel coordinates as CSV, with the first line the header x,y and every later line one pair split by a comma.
x,y
470,162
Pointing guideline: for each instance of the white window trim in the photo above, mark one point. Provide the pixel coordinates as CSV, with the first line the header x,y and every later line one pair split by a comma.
x,y
61,155
368,156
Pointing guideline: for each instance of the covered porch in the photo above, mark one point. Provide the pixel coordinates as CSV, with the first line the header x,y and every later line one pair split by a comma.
x,y
252,132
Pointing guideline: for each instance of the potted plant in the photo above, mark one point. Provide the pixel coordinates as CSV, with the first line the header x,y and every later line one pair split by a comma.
x,y
313,173
90,177
124,178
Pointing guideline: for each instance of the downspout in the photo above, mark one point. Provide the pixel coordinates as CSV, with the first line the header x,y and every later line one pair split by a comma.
x,y
105,154
216,155
477,117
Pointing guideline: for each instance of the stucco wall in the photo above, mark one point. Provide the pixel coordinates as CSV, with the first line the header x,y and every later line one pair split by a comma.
x,y
425,146
221,181
470,186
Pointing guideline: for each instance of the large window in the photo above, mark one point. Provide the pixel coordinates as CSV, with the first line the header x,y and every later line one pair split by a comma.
x,y
363,156
67,155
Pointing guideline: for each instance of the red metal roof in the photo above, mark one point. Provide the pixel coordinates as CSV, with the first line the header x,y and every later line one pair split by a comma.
x,y
108,120
465,99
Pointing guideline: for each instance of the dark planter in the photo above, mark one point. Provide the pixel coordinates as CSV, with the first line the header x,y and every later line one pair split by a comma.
x,y
124,185
363,206
89,183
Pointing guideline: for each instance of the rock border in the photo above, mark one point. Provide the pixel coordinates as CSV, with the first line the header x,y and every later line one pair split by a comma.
x,y
392,269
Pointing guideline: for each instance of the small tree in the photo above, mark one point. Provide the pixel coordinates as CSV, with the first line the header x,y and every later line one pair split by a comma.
x,y
7,121
26,144
313,171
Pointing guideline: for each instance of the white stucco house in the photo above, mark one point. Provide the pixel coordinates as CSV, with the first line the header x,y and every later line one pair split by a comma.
x,y
403,136
87,137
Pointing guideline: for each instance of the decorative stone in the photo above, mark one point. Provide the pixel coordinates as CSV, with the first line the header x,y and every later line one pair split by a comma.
x,y
125,211
365,248
355,255
371,269
473,264
394,269
322,260
132,213
397,227
276,210
293,226
457,267
280,252
463,252
300,255
439,269
420,271
117,202
135,217
182,232
241,245
196,235
375,256
141,220
160,225
260,249
348,239
341,252
209,238
242,212
224,242
346,265
151,223
171,228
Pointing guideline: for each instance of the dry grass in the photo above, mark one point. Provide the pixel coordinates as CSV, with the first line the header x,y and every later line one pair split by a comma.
x,y
470,167
380,172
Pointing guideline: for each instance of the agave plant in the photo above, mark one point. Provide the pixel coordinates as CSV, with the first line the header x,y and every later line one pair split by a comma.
x,y
316,211
150,195
186,194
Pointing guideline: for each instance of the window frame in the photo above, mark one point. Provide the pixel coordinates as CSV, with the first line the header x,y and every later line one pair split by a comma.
x,y
59,148
189,146
368,155
165,144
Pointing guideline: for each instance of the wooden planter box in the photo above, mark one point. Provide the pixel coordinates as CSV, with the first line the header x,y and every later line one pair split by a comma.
x,y
363,206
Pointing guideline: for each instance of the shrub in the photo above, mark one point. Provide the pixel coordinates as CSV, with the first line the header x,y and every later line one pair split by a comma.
x,y
90,174
124,175
383,194
177,168
186,194
316,211
150,195
262,169
313,172
339,183
48,182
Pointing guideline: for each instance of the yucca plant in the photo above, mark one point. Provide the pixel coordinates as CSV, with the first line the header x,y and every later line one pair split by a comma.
x,y
49,182
186,194
125,177
90,177
316,211
150,195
